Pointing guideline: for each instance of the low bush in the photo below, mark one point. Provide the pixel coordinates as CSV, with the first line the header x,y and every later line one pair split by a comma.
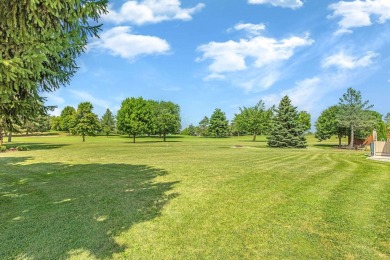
x,y
22,148
3,148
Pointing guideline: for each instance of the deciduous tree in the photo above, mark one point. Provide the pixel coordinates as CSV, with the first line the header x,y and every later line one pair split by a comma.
x,y
254,119
87,122
327,125
167,118
219,125
135,117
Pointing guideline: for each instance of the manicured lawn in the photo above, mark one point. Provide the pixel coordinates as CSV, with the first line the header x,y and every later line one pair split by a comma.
x,y
190,198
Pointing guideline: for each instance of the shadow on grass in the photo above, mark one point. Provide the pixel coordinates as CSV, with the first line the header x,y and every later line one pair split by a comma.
x,y
55,210
326,145
36,146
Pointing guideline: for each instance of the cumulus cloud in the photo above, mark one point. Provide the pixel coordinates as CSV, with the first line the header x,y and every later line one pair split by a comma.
x,y
360,13
255,53
250,28
293,4
343,61
151,11
120,41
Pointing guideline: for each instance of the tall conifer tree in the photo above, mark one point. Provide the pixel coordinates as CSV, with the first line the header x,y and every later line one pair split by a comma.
x,y
287,131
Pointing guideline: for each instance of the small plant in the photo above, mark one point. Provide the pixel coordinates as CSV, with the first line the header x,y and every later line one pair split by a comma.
x,y
3,148
22,148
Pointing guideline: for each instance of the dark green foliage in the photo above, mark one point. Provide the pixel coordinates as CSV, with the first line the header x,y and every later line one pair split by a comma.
x,y
40,41
286,130
87,122
203,128
353,114
327,125
39,44
3,148
254,120
219,125
108,122
135,117
22,148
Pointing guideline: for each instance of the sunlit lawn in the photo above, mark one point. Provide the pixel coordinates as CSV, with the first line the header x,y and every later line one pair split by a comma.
x,y
190,198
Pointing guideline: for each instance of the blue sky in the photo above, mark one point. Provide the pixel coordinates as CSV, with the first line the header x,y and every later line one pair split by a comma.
x,y
227,54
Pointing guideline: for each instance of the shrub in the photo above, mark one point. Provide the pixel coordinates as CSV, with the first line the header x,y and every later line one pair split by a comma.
x,y
22,148
3,149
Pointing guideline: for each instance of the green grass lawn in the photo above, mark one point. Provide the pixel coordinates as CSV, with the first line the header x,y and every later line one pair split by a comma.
x,y
190,198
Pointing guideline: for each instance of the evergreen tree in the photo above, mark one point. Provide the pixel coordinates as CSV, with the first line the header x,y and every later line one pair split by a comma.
x,y
108,122
286,130
352,113
87,122
219,125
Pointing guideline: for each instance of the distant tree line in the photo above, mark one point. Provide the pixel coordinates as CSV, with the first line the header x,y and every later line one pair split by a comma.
x,y
285,126
136,117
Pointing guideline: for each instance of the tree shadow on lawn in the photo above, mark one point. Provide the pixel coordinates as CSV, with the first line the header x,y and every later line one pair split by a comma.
x,y
36,146
54,210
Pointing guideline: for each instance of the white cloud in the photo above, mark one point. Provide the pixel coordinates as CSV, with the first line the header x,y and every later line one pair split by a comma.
x,y
259,53
52,99
214,76
281,3
85,96
231,55
344,61
252,29
360,13
119,41
151,11
55,112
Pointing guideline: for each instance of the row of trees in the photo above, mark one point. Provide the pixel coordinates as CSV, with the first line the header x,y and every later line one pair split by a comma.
x,y
285,125
351,117
136,116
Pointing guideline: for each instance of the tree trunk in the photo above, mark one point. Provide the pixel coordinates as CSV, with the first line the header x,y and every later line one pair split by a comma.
x,y
133,138
9,137
165,135
340,140
83,138
352,137
1,137
254,137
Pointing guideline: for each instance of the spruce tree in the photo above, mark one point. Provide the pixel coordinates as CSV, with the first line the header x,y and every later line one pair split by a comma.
x,y
286,131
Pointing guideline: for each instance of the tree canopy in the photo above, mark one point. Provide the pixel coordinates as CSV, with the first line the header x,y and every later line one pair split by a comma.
x,y
167,118
87,122
219,125
327,125
135,117
286,131
353,113
254,119
108,122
